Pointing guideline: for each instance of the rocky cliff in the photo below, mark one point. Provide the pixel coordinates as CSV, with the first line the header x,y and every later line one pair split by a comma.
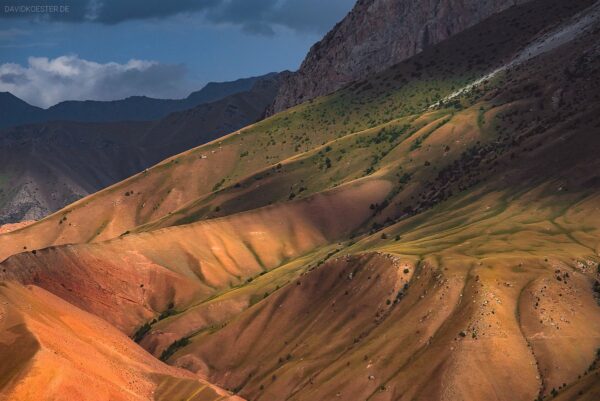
x,y
375,35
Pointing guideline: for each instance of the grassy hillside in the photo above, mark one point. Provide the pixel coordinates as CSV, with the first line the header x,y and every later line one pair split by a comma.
x,y
347,122
432,233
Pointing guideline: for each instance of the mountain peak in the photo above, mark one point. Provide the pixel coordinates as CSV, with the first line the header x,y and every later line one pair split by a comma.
x,y
8,96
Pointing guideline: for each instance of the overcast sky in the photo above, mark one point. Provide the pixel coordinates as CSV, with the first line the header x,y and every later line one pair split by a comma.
x,y
110,49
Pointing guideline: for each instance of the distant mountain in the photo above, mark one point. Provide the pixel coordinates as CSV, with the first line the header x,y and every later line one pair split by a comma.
x,y
214,91
48,165
186,129
375,35
14,111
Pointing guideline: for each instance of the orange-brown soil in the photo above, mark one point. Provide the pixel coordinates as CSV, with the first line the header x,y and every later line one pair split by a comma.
x,y
52,350
352,329
132,279
7,228
399,240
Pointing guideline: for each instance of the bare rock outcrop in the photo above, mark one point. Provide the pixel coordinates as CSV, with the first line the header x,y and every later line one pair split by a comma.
x,y
375,35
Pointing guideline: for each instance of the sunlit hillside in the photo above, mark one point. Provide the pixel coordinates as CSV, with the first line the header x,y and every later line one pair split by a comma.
x,y
430,233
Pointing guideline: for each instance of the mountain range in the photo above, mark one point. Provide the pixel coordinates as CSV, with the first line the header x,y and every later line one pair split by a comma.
x,y
14,111
430,231
48,165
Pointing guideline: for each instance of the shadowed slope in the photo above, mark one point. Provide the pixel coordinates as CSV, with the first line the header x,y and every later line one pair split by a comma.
x,y
47,166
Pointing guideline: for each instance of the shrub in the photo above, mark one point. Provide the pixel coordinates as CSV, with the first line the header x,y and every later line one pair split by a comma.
x,y
405,178
141,332
182,342
167,313
219,185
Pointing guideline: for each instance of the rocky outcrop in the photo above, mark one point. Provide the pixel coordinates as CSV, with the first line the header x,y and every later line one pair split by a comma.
x,y
375,35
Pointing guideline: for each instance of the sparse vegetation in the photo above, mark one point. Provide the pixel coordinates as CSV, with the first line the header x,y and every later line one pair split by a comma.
x,y
167,353
488,191
141,332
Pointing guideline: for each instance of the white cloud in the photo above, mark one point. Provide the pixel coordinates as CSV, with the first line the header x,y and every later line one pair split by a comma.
x,y
44,82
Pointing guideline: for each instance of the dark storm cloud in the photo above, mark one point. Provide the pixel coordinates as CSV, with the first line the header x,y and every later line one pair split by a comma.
x,y
255,16
102,11
261,16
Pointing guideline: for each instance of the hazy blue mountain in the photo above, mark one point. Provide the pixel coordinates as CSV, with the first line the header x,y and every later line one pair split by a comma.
x,y
14,111
46,166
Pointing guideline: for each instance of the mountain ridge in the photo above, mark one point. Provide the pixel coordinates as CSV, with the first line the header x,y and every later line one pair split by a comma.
x,y
375,35
431,232
49,165
133,108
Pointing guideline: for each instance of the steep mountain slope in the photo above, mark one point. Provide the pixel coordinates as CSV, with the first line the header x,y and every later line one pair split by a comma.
x,y
6,228
48,166
375,35
377,326
52,350
136,108
176,267
242,170
429,233
45,167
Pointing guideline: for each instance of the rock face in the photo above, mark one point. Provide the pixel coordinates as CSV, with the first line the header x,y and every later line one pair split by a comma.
x,y
375,35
